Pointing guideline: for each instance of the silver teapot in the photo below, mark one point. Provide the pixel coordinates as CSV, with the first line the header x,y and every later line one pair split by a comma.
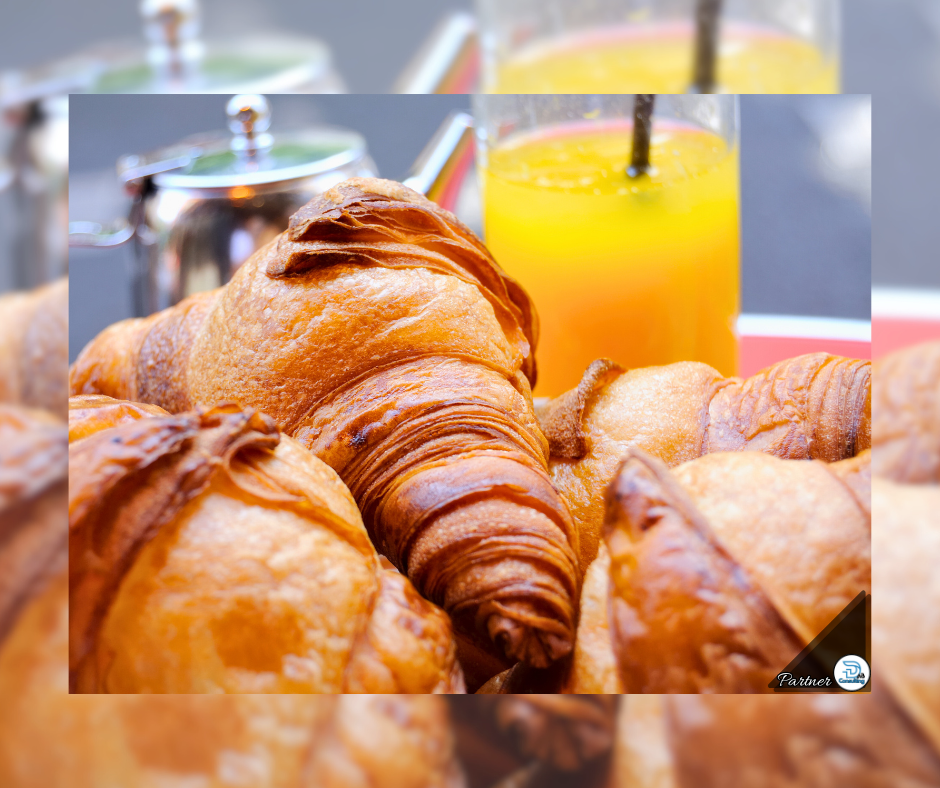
x,y
202,207
174,59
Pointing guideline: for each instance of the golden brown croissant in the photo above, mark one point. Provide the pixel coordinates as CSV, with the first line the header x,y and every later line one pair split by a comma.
x,y
780,741
564,731
33,490
34,350
720,571
810,407
50,739
906,418
379,332
207,554
905,616
534,741
890,737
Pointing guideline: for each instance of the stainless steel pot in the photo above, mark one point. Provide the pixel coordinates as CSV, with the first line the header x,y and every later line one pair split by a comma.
x,y
200,208
34,108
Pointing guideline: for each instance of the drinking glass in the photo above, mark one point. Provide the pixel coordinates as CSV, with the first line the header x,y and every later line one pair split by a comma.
x,y
627,46
641,269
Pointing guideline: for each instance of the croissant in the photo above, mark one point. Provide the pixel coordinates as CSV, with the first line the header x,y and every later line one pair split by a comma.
x,y
905,620
34,351
50,739
564,731
811,407
380,334
906,426
534,740
791,740
890,737
209,554
34,474
759,555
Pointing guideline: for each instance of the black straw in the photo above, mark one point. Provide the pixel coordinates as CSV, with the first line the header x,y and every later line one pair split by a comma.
x,y
707,16
642,131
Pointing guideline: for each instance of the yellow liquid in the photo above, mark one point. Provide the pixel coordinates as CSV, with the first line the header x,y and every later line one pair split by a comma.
x,y
659,59
643,271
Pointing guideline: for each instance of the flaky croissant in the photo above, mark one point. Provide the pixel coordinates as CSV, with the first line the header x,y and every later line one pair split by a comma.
x,y
209,554
379,332
905,616
534,741
906,418
50,739
34,347
890,737
782,741
564,731
33,490
720,571
811,407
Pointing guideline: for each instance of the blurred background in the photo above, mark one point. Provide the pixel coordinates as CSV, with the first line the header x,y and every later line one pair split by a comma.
x,y
805,187
891,49
370,47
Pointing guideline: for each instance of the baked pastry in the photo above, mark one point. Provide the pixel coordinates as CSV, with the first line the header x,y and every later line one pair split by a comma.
x,y
759,555
210,554
34,351
906,424
905,616
890,737
33,494
537,741
794,740
380,334
810,407
91,414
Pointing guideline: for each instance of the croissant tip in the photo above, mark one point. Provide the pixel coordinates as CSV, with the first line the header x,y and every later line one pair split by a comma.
x,y
519,642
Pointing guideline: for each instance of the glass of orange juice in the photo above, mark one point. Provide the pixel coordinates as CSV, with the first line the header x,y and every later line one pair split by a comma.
x,y
627,46
641,269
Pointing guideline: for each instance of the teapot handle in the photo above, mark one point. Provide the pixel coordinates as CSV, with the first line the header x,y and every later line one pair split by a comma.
x,y
442,164
447,62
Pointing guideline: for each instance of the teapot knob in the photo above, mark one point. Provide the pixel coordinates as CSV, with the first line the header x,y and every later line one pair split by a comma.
x,y
249,116
172,28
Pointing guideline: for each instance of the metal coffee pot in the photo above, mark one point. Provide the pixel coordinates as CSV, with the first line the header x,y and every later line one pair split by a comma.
x,y
201,207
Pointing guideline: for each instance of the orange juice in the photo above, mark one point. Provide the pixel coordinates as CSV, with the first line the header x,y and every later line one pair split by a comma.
x,y
643,271
659,58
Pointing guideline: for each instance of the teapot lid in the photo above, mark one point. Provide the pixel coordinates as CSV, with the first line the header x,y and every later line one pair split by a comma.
x,y
251,157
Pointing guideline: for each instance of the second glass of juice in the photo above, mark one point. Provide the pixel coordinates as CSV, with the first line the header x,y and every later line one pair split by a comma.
x,y
642,270
620,46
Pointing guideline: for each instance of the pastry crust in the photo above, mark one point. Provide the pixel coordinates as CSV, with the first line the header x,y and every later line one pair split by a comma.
x,y
906,427
34,352
810,407
209,554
